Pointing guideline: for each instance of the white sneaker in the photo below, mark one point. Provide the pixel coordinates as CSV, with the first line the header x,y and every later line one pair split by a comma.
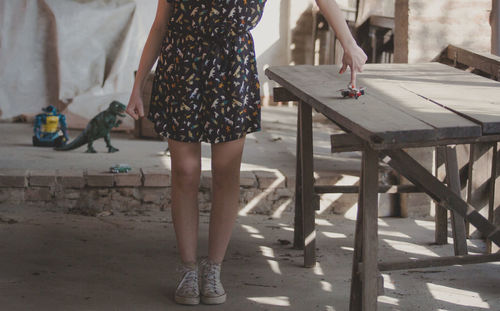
x,y
188,291
212,291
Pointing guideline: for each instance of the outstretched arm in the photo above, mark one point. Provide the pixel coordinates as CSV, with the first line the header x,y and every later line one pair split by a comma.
x,y
149,55
354,57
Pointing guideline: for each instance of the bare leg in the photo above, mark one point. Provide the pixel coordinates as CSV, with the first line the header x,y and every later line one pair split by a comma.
x,y
226,161
186,169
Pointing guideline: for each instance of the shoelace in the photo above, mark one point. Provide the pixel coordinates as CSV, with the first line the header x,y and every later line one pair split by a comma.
x,y
190,278
209,274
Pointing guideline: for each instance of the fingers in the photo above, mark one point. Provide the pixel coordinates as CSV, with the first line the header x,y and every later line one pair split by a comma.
x,y
141,111
353,78
131,112
343,69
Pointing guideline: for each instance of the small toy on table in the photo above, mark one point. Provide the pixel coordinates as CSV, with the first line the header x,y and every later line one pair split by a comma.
x,y
351,92
48,127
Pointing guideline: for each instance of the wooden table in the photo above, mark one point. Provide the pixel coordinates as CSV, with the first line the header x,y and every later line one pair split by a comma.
x,y
406,106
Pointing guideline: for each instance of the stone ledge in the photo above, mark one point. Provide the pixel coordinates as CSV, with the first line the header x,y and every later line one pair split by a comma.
x,y
145,177
91,191
13,178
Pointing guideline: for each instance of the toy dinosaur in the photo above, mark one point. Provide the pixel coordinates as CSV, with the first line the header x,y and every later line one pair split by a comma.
x,y
98,127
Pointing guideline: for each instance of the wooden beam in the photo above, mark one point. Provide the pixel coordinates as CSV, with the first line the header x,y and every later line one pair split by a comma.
x,y
441,214
280,94
438,262
457,221
357,257
369,271
480,161
381,189
349,142
487,63
298,232
494,200
419,176
307,181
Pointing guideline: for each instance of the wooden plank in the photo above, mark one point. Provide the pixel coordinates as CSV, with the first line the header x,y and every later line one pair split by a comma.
x,y
441,214
390,120
341,144
457,221
369,271
355,189
307,177
345,143
471,96
487,63
438,262
419,176
280,94
478,188
382,21
298,232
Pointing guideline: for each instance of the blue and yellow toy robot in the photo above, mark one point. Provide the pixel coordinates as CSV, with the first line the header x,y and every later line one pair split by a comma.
x,y
48,128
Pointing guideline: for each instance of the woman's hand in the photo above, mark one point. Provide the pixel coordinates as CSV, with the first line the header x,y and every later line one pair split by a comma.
x,y
135,107
354,58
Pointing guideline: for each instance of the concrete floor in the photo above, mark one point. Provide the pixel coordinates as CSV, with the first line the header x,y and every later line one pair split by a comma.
x,y
271,148
50,260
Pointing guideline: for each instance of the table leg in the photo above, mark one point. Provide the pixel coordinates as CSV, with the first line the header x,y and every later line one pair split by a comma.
x,y
357,258
441,214
369,270
298,233
479,177
307,181
457,221
494,201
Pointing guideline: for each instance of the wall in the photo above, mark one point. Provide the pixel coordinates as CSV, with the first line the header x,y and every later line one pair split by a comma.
x,y
432,25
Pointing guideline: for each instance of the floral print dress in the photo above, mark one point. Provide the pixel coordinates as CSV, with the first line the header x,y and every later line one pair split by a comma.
x,y
206,86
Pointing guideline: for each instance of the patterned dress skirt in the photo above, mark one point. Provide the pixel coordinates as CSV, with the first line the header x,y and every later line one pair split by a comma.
x,y
206,86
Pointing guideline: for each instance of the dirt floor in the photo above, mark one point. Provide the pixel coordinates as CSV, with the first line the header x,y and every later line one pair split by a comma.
x,y
50,260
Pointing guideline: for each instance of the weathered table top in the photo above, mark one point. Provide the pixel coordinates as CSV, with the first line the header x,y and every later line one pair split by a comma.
x,y
404,104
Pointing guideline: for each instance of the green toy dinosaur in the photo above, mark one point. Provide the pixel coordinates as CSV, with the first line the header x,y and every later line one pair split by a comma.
x,y
98,127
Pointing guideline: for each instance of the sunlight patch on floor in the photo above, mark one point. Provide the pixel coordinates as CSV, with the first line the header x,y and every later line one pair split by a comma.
x,y
322,222
457,296
326,286
389,300
410,248
427,224
334,235
282,301
318,270
269,253
394,234
388,283
277,213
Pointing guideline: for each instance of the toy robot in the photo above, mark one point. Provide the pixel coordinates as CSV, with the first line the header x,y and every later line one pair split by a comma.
x,y
351,92
48,127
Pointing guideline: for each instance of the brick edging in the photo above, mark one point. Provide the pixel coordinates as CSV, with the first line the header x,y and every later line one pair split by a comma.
x,y
90,189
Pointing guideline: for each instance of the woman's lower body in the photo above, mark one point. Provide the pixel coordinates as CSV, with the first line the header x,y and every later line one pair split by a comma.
x,y
186,173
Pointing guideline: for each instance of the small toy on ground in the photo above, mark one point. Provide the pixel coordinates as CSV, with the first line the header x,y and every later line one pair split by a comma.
x,y
98,127
120,168
351,92
50,128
